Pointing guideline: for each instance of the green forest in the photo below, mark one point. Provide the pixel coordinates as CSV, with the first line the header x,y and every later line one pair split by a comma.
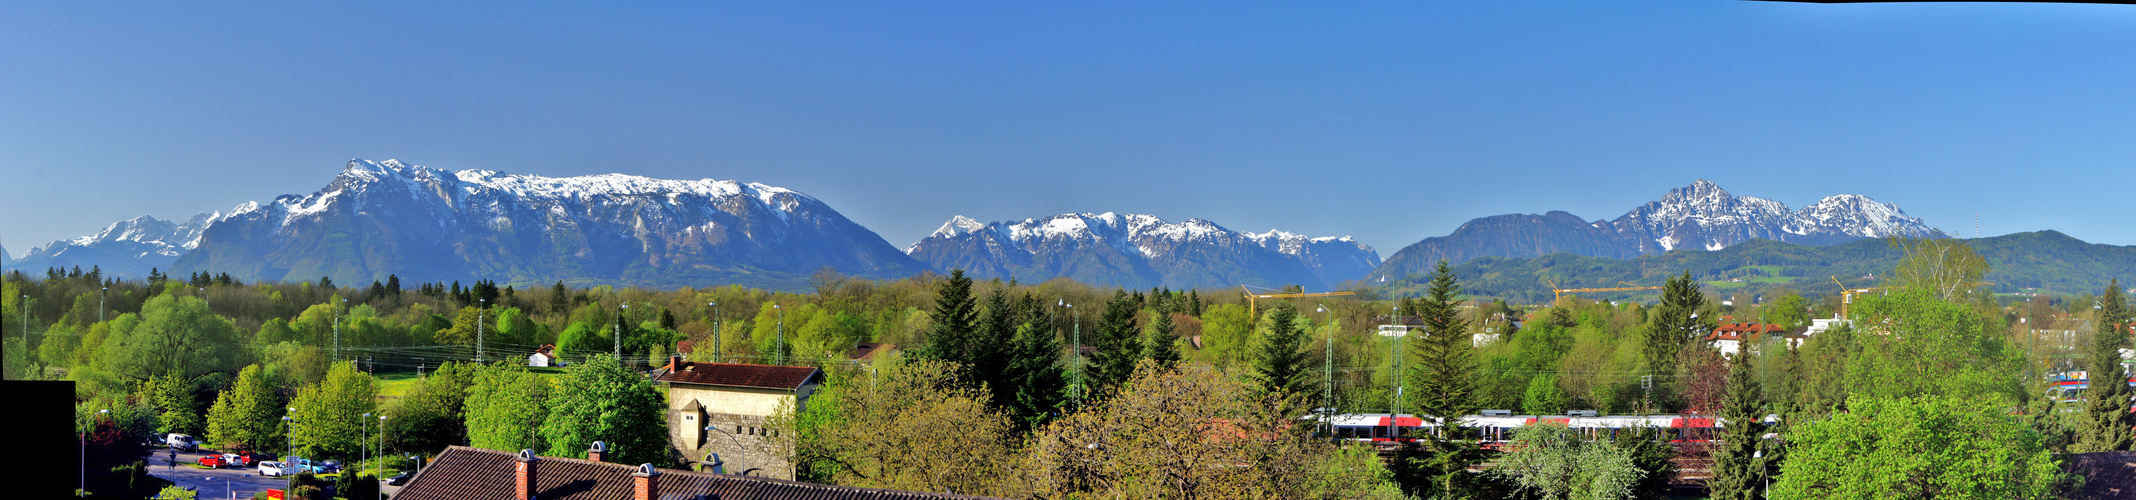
x,y
1939,387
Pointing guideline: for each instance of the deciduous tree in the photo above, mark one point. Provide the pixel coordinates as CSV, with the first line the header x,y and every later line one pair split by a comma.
x,y
1918,447
600,400
329,416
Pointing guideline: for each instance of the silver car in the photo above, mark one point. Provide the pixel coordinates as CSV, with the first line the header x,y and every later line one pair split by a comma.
x,y
273,468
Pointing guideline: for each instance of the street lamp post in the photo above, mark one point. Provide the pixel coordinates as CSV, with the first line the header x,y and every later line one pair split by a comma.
x,y
1327,394
484,308
106,291
381,457
719,467
715,331
363,429
778,354
619,331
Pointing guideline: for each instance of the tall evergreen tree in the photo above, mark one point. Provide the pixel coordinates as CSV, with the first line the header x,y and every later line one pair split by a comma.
x,y
1672,325
1037,383
1736,465
393,284
2105,424
986,353
1280,365
1443,374
955,322
1163,344
1118,345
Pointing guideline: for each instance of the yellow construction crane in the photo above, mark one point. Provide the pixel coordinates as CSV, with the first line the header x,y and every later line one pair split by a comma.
x,y
1253,307
1846,295
1559,293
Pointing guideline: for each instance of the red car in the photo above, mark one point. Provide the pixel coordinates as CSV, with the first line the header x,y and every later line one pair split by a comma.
x,y
250,459
218,461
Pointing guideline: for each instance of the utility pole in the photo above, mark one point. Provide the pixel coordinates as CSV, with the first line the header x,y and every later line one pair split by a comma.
x,y
778,354
100,303
1327,383
715,332
619,331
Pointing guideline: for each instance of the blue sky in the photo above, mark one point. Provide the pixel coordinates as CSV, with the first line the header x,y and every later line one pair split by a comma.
x,y
1391,122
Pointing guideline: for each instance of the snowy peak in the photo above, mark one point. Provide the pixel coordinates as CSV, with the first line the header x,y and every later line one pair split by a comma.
x,y
126,248
1140,250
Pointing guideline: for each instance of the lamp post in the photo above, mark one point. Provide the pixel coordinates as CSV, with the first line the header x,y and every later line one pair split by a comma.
x,y
715,331
478,329
1327,393
719,467
619,331
778,354
106,291
363,429
84,472
1075,359
289,434
381,457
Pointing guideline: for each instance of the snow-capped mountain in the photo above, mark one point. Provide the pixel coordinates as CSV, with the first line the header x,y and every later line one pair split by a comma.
x,y
1141,251
1705,216
425,224
125,249
1701,216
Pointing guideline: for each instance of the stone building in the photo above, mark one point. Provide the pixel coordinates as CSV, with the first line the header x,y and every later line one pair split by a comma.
x,y
721,408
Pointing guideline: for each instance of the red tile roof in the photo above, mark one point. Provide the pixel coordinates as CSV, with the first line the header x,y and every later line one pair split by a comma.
x,y
739,375
464,473
869,350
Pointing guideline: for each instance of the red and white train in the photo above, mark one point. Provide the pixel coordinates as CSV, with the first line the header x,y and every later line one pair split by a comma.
x,y
1497,428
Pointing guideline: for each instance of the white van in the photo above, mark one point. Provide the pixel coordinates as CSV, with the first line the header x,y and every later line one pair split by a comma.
x,y
181,442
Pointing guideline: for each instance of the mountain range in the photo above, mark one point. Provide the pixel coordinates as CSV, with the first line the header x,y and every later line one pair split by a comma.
x,y
1700,216
1142,251
376,219
425,224
125,248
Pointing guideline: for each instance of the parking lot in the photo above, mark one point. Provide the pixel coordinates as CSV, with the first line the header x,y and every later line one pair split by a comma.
x,y
215,483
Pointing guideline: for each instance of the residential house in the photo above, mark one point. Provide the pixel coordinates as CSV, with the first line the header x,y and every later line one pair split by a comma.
x,y
721,408
464,473
545,357
1731,337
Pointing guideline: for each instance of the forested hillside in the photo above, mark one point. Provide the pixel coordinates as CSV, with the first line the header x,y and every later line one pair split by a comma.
x,y
2044,261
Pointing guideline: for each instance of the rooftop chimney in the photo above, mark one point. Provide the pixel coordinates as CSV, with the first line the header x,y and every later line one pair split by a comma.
x,y
523,477
674,362
645,485
597,451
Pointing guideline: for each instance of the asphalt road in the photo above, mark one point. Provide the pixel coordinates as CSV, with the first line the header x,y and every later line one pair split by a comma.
x,y
216,483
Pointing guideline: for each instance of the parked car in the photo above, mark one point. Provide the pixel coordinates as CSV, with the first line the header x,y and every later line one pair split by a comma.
x,y
400,479
252,458
272,469
181,442
218,461
329,466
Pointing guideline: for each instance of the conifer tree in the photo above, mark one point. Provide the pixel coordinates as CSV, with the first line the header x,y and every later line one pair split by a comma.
x,y
1673,325
1194,303
1442,374
1037,383
955,319
1163,345
984,355
1735,463
2105,424
1280,365
393,284
1118,345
